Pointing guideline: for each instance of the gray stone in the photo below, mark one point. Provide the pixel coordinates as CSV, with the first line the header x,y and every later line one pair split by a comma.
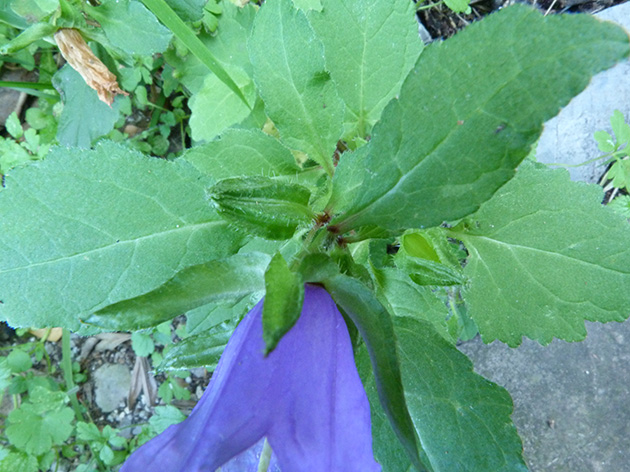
x,y
111,386
9,98
571,399
568,138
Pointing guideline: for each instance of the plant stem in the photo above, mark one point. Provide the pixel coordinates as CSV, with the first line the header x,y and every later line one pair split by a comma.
x,y
26,85
265,457
430,5
66,367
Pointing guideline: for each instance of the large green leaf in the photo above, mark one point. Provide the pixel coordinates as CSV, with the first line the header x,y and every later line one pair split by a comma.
x,y
84,229
469,112
388,450
375,325
130,26
406,298
84,117
220,281
290,74
462,420
240,152
545,256
370,47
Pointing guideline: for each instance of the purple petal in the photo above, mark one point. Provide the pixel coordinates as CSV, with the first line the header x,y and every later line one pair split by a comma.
x,y
305,397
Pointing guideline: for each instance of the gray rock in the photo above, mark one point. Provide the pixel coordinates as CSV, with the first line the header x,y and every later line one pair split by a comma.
x,y
111,386
571,399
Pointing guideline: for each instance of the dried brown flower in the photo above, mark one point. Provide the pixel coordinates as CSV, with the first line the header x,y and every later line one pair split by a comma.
x,y
75,50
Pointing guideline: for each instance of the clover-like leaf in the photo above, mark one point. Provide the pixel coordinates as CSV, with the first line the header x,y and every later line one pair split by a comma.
x,y
40,423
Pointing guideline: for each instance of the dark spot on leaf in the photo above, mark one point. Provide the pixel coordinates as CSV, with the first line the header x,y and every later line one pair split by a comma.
x,y
500,128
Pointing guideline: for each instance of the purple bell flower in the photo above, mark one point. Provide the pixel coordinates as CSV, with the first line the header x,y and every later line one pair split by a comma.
x,y
305,398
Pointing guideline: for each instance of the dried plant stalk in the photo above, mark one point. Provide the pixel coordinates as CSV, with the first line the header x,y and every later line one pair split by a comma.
x,y
75,50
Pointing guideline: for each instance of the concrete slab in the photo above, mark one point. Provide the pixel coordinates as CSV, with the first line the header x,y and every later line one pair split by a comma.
x,y
572,400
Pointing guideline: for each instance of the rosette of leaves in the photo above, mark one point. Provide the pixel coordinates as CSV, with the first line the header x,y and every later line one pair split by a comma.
x,y
391,175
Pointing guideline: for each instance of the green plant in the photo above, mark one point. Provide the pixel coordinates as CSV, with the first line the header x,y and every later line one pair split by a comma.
x,y
399,182
617,153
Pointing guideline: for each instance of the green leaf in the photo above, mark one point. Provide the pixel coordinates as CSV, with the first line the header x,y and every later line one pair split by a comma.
x,y
27,37
19,361
39,424
83,229
131,27
214,107
200,320
406,298
12,155
375,325
317,267
619,172
88,432
8,16
284,295
84,117
262,206
106,455
370,47
621,205
605,142
308,4
620,128
544,257
174,23
462,420
13,126
34,10
388,450
426,272
142,343
164,417
19,461
200,350
290,75
458,6
460,128
240,152
428,258
5,375
219,281
188,10
227,48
